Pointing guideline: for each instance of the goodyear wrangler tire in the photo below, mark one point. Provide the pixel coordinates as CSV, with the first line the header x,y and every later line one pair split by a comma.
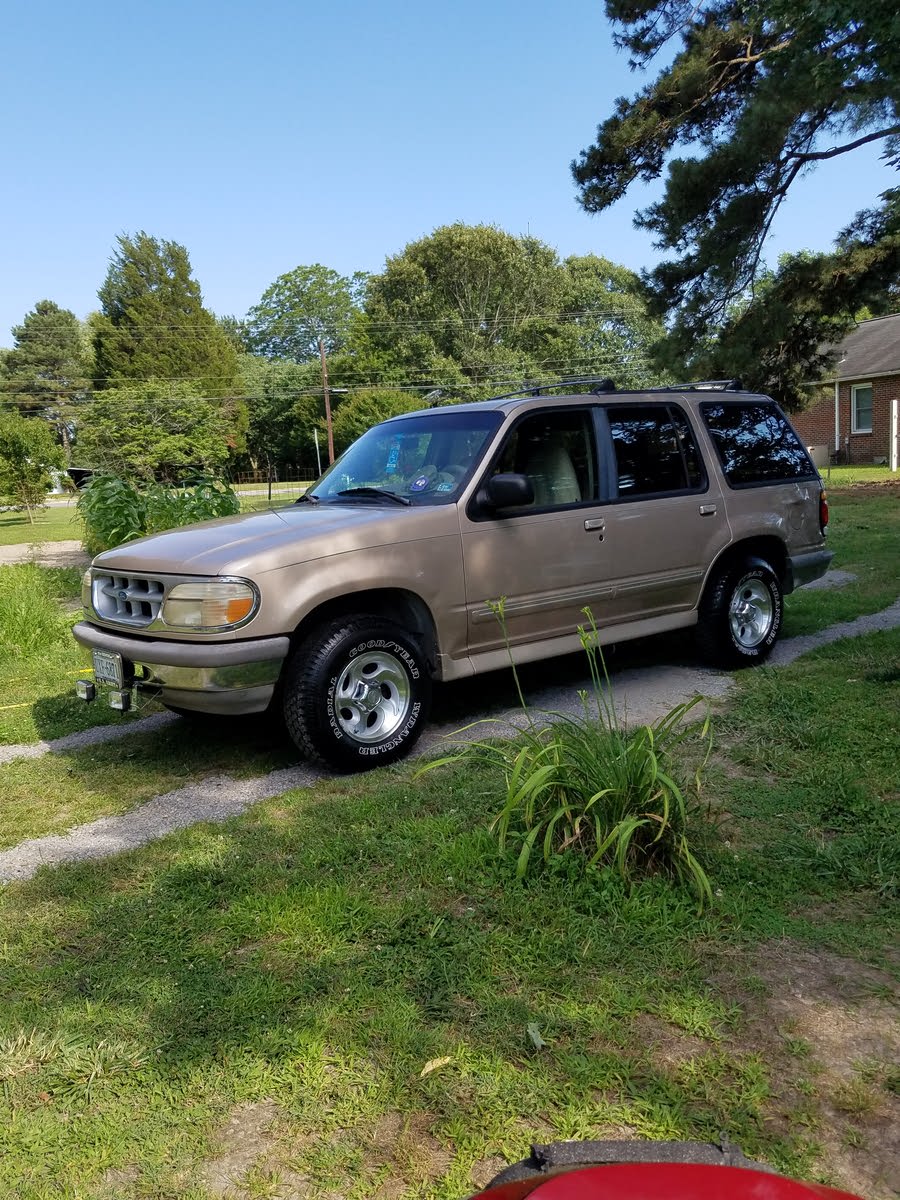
x,y
357,693
741,614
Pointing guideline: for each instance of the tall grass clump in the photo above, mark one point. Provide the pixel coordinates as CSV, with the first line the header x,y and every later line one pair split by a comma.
x,y
115,510
586,784
31,620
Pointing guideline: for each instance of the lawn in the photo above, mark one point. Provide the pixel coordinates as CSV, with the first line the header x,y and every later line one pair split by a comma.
x,y
347,992
347,987
56,523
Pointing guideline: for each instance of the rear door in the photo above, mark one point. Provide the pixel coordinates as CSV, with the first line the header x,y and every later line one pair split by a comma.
x,y
666,520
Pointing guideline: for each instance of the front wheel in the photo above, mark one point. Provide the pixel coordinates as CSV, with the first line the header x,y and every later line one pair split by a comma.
x,y
741,614
357,693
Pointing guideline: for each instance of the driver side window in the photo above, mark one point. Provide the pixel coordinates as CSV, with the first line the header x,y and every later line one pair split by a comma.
x,y
555,449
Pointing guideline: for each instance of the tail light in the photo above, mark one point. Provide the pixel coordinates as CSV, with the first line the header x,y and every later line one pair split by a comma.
x,y
823,510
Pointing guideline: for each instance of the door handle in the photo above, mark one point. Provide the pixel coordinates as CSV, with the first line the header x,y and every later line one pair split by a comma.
x,y
596,523
707,510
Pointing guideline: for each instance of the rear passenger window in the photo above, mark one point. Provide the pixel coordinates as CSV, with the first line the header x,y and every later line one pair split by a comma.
x,y
756,444
655,450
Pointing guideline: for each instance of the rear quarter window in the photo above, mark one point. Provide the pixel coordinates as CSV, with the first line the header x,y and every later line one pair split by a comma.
x,y
755,443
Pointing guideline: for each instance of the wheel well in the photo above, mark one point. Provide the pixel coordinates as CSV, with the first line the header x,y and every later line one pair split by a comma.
x,y
405,608
771,549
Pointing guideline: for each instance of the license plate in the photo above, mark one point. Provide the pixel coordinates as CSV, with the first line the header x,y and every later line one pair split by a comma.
x,y
109,667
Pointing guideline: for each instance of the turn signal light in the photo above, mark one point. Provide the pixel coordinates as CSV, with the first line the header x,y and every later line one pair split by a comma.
x,y
823,510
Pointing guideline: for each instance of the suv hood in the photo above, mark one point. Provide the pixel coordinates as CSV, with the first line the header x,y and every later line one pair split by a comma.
x,y
275,538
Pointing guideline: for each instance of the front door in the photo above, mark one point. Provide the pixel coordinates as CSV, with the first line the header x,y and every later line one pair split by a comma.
x,y
548,560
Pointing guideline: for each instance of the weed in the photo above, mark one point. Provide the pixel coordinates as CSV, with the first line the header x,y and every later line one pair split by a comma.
x,y
588,783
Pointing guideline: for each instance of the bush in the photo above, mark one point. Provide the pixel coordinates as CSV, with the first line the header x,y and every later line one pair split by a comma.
x,y
115,511
590,785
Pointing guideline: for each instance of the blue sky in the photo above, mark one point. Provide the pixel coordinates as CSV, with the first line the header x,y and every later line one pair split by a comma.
x,y
268,135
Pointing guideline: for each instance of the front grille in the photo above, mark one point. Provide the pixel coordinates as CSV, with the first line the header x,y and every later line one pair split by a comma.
x,y
129,599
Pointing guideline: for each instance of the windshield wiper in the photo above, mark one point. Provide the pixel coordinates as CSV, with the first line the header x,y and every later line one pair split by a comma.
x,y
307,498
375,493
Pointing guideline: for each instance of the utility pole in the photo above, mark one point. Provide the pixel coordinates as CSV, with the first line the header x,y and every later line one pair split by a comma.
x,y
327,394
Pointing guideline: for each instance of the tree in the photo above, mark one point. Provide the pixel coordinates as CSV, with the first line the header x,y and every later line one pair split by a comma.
x,y
284,405
473,309
606,328
153,324
46,373
762,93
160,430
301,308
28,453
467,303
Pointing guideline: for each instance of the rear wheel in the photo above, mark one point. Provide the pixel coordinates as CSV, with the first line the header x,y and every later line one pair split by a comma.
x,y
357,693
741,614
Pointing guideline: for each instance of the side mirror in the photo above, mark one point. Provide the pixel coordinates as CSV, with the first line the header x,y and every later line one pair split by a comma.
x,y
507,491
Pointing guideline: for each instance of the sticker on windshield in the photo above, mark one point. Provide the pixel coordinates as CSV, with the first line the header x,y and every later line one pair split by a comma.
x,y
393,458
420,484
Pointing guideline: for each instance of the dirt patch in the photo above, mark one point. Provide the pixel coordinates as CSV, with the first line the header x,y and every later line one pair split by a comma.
x,y
667,1047
828,1028
239,1144
405,1144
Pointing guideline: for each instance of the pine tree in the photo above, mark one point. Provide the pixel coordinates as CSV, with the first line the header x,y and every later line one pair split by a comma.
x,y
153,324
46,373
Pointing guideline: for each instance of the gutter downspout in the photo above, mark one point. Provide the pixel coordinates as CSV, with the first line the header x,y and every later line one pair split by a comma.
x,y
837,417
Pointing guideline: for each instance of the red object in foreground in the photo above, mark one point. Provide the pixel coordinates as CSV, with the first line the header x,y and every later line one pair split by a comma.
x,y
662,1181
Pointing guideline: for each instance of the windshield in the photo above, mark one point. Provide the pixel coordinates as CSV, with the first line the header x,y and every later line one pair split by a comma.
x,y
425,459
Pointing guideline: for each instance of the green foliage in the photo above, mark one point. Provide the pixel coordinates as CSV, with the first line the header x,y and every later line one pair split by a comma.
x,y
153,323
301,308
46,373
472,309
284,404
159,430
759,94
115,510
366,408
589,784
30,617
28,452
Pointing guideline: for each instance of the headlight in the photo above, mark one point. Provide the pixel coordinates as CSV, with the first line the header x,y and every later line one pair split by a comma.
x,y
214,605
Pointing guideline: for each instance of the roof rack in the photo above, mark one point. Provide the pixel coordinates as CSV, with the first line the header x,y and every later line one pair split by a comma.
x,y
538,389
702,385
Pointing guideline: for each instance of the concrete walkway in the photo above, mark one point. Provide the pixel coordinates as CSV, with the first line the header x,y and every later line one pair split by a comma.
x,y
46,554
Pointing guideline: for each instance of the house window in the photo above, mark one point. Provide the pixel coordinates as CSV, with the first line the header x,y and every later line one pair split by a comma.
x,y
861,408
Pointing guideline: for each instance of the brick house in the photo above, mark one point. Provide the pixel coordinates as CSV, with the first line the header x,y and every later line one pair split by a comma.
x,y
859,416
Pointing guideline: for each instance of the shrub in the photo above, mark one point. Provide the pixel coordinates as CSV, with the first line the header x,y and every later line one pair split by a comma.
x,y
114,510
589,784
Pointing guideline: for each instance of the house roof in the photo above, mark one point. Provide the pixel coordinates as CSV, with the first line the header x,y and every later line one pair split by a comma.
x,y
872,349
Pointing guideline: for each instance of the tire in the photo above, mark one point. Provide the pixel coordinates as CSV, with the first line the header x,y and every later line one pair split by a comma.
x,y
357,693
741,614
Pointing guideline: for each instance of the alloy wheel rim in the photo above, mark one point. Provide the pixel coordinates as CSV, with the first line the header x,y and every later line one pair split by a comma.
x,y
373,696
751,613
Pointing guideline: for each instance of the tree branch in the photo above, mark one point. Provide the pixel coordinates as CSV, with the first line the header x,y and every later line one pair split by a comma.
x,y
836,150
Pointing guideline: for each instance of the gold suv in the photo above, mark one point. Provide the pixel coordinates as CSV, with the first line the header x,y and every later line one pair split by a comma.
x,y
664,509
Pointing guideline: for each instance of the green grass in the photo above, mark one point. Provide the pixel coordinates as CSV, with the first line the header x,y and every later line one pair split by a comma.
x,y
53,524
864,533
318,953
39,659
853,476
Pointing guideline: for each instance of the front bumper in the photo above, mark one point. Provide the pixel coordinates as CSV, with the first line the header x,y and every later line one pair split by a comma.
x,y
804,568
214,677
